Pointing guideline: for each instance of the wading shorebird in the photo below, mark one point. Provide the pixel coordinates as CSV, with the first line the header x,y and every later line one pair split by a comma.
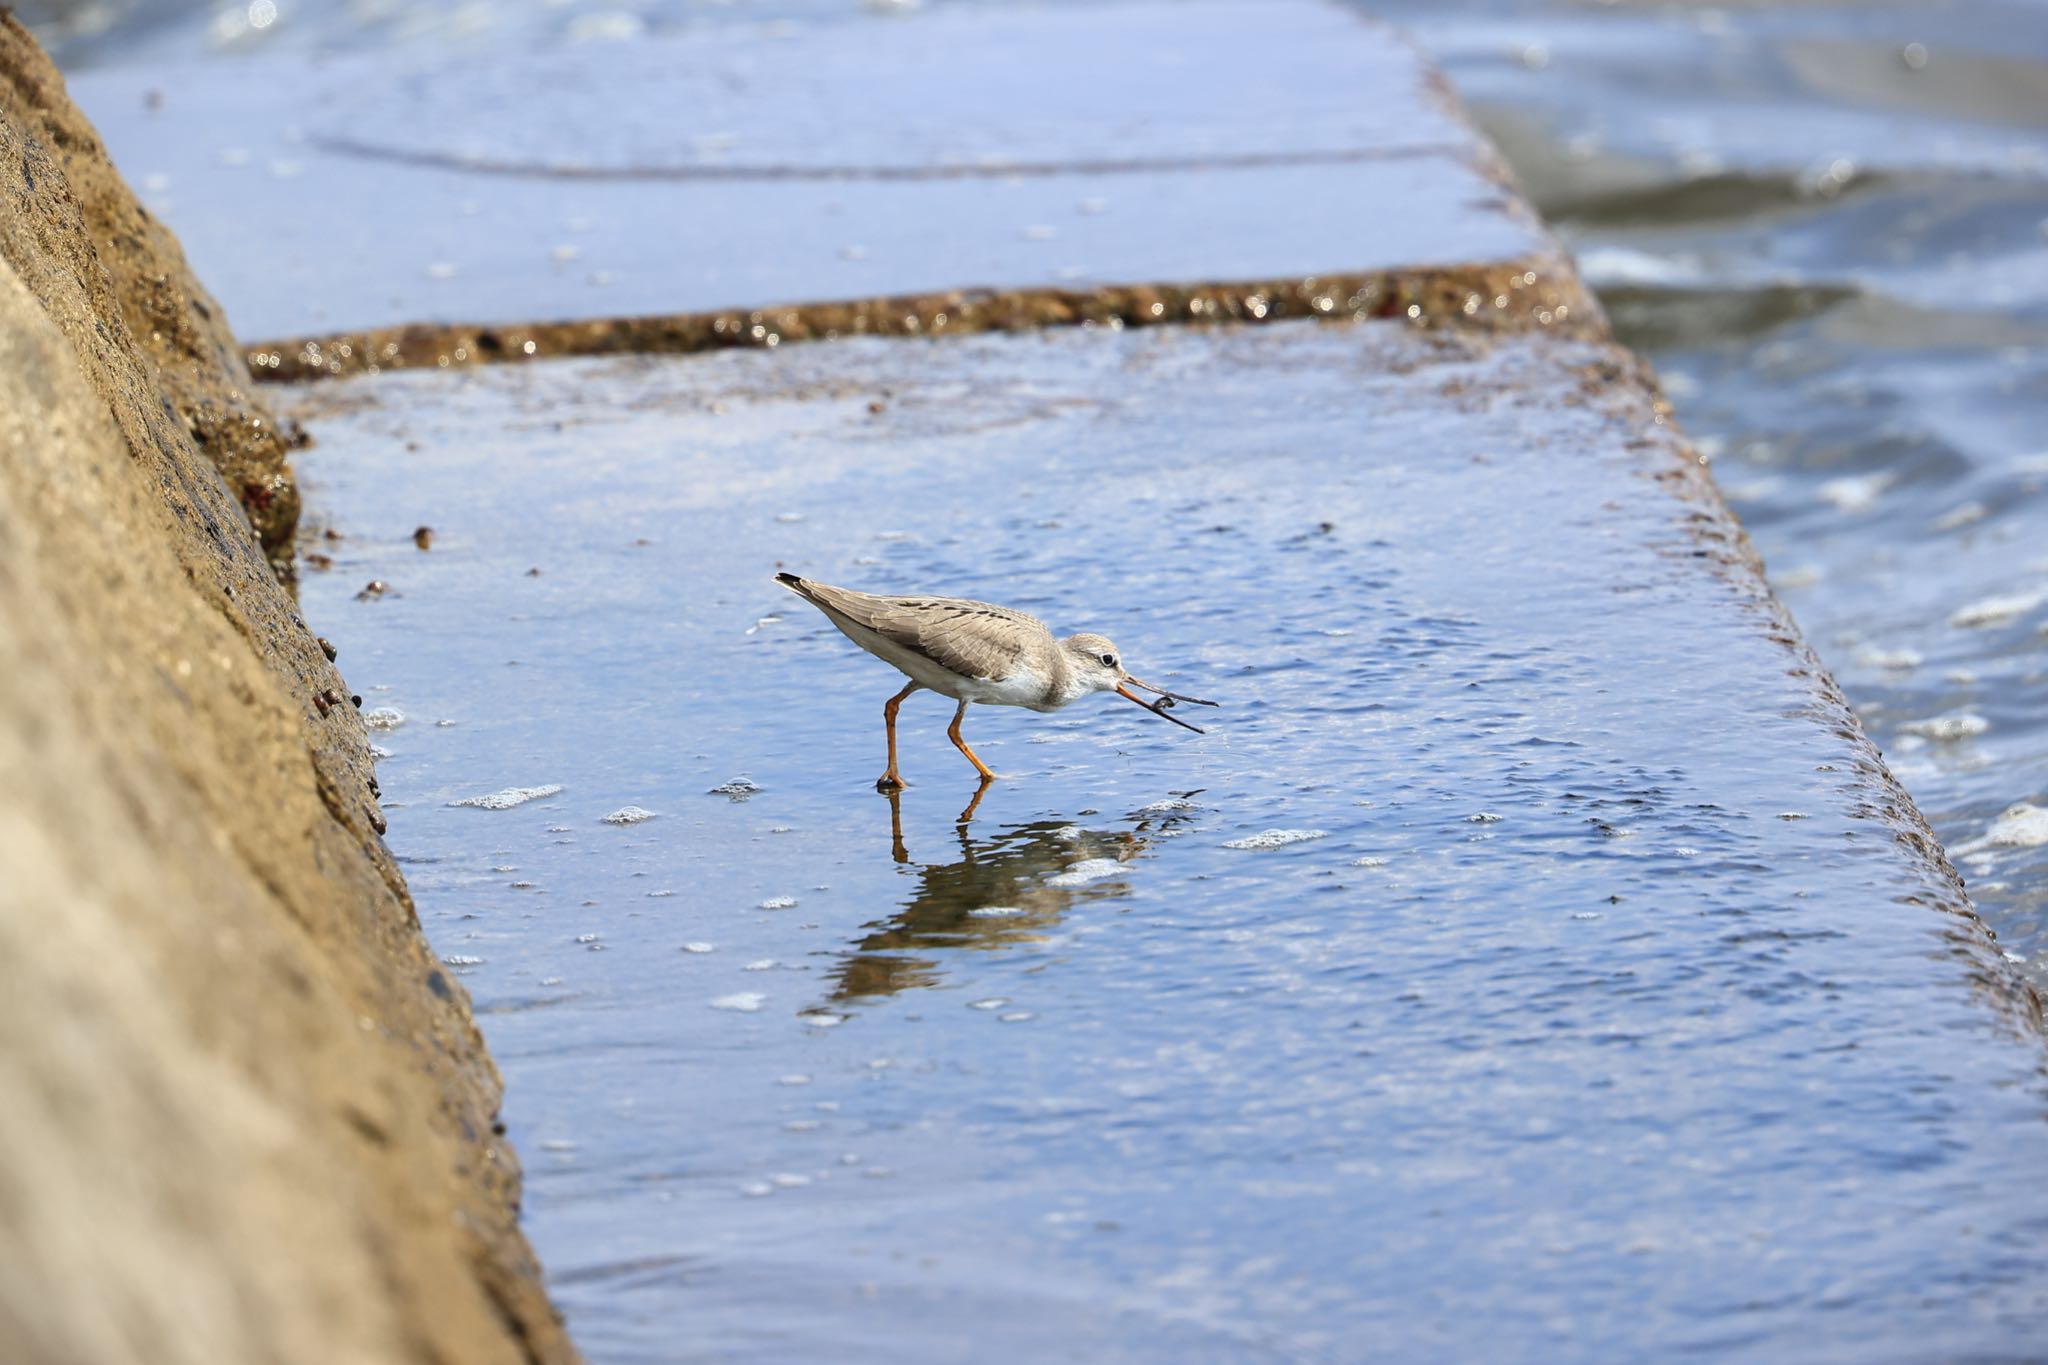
x,y
976,652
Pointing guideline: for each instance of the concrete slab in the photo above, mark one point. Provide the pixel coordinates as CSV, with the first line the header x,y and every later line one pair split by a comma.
x,y
1062,149
1532,963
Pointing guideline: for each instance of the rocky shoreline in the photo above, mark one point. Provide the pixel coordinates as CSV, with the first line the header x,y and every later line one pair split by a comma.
x,y
249,1116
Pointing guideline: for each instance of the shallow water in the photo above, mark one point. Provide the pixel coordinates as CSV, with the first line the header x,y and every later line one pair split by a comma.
x,y
1495,976
1826,223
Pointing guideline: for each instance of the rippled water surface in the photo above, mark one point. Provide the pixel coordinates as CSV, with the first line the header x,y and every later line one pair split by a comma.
x,y
1498,975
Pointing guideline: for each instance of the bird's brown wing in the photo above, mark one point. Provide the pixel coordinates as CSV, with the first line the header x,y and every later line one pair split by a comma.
x,y
973,639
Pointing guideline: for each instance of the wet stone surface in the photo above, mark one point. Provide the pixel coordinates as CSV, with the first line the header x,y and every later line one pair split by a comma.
x,y
1522,966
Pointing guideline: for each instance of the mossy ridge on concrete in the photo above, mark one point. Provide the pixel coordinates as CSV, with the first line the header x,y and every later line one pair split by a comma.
x,y
248,1116
1500,296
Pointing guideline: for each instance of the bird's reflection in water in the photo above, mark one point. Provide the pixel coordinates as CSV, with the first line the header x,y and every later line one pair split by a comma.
x,y
1002,888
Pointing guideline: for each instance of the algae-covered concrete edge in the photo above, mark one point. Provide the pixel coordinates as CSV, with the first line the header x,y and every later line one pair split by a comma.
x,y
1714,535
1538,293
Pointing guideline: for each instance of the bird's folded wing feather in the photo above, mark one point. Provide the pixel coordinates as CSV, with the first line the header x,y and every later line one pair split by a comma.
x,y
973,639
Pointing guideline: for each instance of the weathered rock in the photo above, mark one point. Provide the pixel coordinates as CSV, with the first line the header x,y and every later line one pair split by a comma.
x,y
247,1117
180,330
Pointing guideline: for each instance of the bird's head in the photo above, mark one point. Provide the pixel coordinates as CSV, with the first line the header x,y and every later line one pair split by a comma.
x,y
1099,667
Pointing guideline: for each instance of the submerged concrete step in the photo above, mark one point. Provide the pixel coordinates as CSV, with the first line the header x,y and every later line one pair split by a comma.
x,y
1533,962
897,159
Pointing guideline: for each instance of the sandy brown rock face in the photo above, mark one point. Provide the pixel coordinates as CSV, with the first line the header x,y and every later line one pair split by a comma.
x,y
176,324
247,1116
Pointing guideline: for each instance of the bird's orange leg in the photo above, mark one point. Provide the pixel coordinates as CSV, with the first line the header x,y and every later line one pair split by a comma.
x,y
892,780
953,733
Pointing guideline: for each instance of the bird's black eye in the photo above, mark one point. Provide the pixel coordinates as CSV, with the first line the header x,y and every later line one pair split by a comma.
x,y
1109,661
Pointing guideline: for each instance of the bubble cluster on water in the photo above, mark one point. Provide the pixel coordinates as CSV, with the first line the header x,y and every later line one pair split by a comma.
x,y
509,797
629,815
383,718
1086,871
1276,838
736,789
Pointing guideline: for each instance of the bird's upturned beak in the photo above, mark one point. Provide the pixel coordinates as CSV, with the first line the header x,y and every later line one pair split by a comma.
x,y
1161,707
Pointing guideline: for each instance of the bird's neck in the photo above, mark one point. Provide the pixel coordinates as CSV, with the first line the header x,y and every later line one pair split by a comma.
x,y
1063,684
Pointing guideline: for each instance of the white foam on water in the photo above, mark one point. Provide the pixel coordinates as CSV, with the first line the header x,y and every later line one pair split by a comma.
x,y
510,797
1086,871
1168,806
1997,611
994,1002
459,960
1958,517
766,964
1896,659
1370,862
1857,493
822,1018
629,815
698,948
1276,838
1484,817
743,1002
1953,726
1611,265
995,912
2021,825
383,718
779,903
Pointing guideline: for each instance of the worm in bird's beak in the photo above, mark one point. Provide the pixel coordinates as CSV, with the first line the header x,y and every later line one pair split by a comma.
x,y
1163,705
1175,696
